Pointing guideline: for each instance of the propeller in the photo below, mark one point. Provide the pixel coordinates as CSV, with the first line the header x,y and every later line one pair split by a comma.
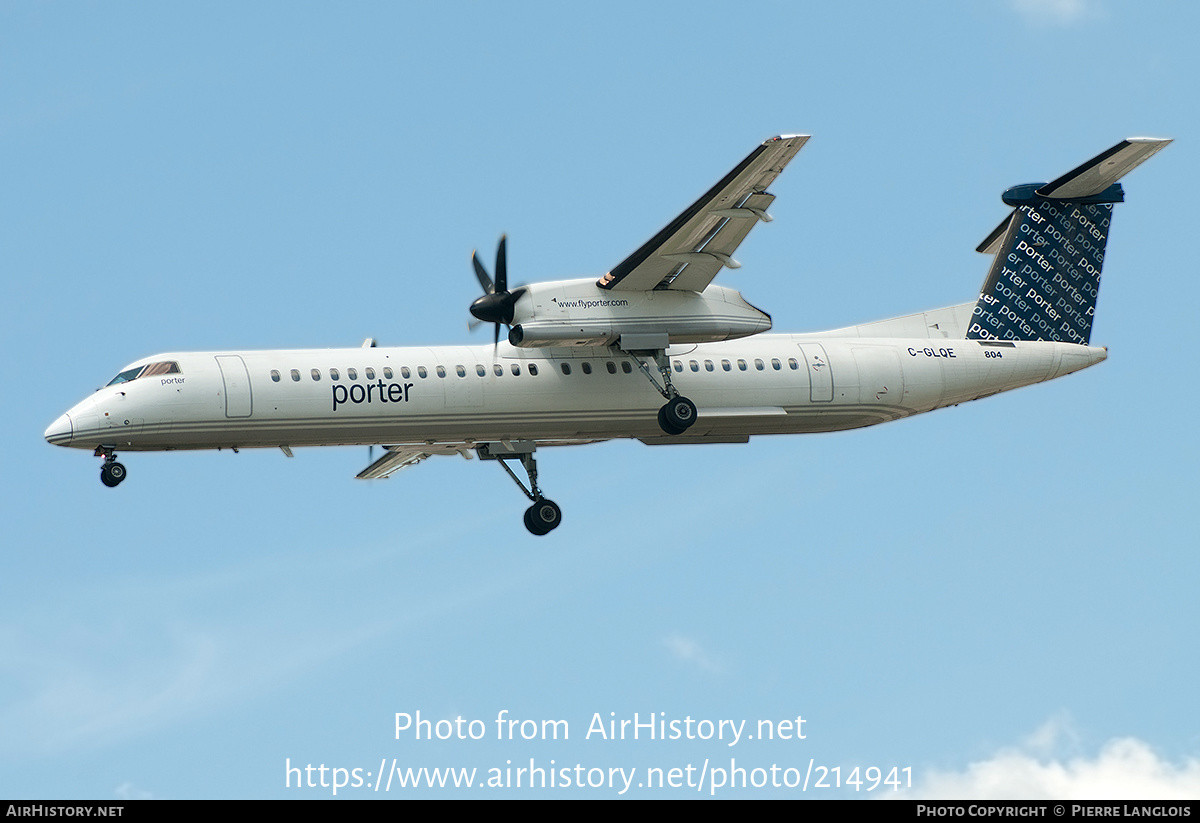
x,y
497,304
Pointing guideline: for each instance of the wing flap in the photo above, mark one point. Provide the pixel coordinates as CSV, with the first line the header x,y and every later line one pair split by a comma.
x,y
690,251
403,455
726,236
400,457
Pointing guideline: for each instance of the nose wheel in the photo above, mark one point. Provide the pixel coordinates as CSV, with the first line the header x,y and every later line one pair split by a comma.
x,y
112,472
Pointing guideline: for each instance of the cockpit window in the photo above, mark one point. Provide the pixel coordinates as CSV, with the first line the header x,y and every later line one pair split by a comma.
x,y
126,376
154,369
149,370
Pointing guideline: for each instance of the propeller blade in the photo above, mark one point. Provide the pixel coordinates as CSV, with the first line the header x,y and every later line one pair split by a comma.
x,y
481,273
497,303
502,265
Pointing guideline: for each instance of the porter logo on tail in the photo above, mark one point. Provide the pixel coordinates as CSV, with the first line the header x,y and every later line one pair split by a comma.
x,y
1050,250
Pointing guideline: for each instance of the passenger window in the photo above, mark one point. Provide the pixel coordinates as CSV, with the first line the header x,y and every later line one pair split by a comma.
x,y
480,370
497,369
678,365
533,369
792,364
441,371
351,374
627,368
296,375
405,372
460,371
708,365
694,365
316,374
370,373
611,366
274,375
741,364
758,364
421,372
775,364
726,365
334,375
587,367
516,370
387,372
566,367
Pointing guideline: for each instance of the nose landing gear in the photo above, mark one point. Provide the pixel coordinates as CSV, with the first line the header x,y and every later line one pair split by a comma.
x,y
112,472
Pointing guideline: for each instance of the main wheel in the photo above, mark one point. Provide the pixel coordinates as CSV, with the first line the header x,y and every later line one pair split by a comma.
x,y
680,413
664,425
543,517
111,474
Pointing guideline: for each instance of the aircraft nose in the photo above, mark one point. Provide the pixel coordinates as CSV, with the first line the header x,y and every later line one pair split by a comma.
x,y
59,432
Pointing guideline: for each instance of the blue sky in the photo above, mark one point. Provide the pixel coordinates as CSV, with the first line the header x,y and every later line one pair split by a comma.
x,y
999,596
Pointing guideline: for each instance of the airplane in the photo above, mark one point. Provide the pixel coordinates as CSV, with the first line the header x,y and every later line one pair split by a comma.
x,y
651,350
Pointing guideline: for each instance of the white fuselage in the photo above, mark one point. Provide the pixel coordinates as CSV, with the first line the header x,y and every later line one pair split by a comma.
x,y
766,384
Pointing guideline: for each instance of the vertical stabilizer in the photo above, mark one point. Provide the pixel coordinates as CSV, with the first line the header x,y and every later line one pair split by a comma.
x,y
1049,251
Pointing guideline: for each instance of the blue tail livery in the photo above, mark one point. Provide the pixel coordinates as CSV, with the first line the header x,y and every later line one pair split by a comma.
x,y
1050,250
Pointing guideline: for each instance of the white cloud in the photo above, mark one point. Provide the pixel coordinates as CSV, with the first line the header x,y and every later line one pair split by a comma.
x,y
1055,12
127,791
690,651
131,658
1125,768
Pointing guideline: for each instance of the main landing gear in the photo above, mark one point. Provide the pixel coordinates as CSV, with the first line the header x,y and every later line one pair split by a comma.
x,y
112,472
679,413
544,515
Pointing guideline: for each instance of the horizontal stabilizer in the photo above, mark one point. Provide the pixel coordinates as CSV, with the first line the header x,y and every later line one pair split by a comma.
x,y
991,243
1049,251
1102,171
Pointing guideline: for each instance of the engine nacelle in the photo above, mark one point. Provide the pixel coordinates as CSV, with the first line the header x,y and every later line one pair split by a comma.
x,y
579,313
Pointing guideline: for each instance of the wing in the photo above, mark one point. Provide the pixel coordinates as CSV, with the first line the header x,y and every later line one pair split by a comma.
x,y
403,455
400,457
689,252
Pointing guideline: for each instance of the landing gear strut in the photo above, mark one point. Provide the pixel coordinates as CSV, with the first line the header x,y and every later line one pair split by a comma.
x,y
544,515
112,472
679,413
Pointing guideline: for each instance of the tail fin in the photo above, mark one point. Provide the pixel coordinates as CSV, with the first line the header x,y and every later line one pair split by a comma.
x,y
1050,249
